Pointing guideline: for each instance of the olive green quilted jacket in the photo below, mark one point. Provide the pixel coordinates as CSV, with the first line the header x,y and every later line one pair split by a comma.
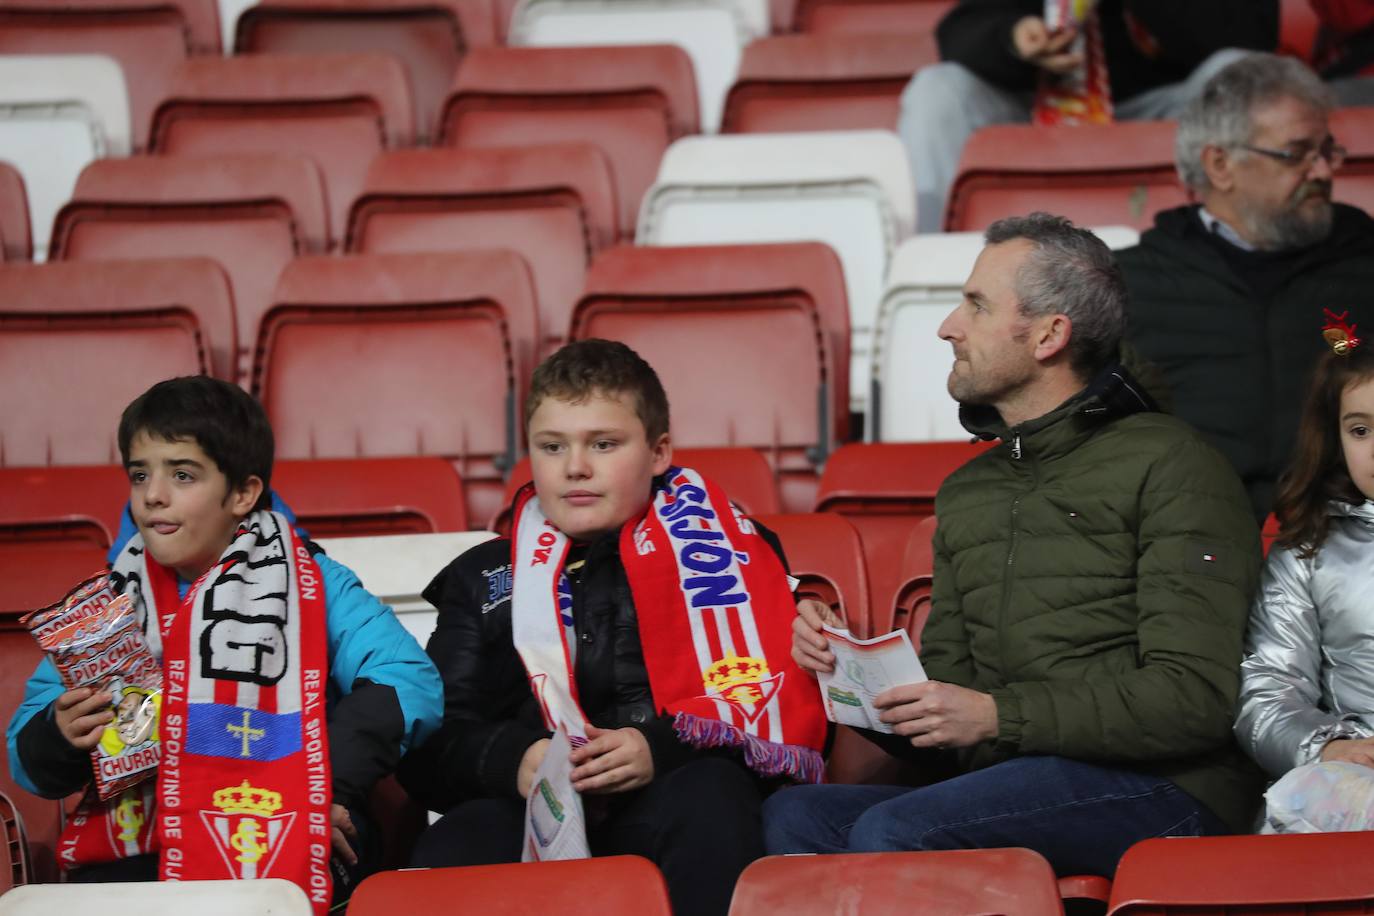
x,y
1093,573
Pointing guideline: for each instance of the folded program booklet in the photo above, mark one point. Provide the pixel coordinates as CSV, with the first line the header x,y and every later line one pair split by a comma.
x,y
865,668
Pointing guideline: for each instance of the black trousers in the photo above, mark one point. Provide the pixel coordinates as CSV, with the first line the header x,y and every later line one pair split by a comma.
x,y
700,824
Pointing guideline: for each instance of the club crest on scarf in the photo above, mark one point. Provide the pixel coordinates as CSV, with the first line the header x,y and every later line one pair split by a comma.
x,y
246,828
743,683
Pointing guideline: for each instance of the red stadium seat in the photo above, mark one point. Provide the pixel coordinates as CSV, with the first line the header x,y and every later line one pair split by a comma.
x,y
149,40
1085,888
1298,29
915,16
78,342
1310,874
751,342
605,886
359,497
911,603
56,525
886,489
15,241
1108,175
402,354
832,81
339,109
1269,532
428,37
631,101
945,883
250,213
41,817
14,853
824,552
91,495
552,205
1353,128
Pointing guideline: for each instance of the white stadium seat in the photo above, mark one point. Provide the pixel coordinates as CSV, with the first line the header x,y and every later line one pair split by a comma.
x,y
712,32
59,112
397,567
160,898
911,364
849,189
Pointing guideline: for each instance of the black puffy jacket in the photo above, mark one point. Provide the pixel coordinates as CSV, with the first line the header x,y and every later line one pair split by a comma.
x,y
490,715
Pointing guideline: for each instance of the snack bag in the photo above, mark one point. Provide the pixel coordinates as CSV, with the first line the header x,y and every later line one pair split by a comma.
x,y
1083,95
94,639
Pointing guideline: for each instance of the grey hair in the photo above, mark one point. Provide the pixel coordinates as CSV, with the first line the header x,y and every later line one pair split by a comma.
x,y
1223,113
1069,272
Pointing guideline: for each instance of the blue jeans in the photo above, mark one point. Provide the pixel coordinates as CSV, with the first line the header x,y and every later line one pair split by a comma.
x,y
1080,816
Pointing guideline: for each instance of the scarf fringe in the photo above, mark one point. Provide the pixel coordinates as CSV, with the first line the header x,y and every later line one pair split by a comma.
x,y
765,758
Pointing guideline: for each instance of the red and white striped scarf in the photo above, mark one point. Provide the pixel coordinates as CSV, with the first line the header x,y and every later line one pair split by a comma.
x,y
715,622
243,787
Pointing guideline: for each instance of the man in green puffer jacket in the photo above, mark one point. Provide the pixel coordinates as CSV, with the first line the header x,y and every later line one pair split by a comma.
x,y
1092,580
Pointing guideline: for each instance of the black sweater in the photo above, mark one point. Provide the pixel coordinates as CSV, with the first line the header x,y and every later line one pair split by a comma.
x,y
1236,334
977,34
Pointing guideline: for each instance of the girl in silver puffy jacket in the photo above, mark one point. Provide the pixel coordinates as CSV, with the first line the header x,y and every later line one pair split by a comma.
x,y
1307,680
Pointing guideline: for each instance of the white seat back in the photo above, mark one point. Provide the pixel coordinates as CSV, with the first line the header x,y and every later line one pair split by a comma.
x,y
910,363
59,112
397,567
849,189
160,898
229,12
712,32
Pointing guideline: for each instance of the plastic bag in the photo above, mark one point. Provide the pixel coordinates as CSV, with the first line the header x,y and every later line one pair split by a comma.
x,y
1325,797
94,639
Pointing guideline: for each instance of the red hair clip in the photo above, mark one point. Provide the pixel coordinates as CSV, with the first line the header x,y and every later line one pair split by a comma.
x,y
1338,334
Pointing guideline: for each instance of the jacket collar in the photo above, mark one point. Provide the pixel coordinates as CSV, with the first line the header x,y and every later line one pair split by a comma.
x,y
1363,512
1181,230
1112,394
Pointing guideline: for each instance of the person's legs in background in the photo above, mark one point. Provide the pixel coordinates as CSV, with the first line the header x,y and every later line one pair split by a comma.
x,y
941,107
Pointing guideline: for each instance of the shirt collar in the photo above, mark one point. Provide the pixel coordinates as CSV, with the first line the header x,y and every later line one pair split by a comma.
x,y
1222,230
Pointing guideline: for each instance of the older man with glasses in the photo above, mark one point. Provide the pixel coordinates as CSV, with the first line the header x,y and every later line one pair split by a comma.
x,y
1226,295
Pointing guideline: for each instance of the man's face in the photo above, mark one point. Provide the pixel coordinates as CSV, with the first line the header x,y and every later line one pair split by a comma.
x,y
1282,205
993,355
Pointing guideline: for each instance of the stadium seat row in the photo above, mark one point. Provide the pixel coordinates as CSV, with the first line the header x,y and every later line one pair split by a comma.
x,y
1237,876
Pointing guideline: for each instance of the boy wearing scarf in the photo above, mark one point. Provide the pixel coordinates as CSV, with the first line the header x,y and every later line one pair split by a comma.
x,y
633,607
288,689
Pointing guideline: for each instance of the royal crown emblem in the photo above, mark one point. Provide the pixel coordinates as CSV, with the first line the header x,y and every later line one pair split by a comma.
x,y
736,679
244,799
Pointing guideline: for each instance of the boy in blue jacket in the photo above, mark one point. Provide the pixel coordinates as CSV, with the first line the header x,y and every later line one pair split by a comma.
x,y
289,689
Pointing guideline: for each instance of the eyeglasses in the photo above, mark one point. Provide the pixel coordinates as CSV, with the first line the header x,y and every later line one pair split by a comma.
x,y
1329,150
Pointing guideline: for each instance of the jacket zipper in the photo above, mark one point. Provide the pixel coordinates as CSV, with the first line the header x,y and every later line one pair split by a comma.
x,y
1016,454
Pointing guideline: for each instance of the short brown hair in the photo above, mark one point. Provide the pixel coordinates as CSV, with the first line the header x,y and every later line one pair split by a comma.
x,y
1318,473
585,368
227,423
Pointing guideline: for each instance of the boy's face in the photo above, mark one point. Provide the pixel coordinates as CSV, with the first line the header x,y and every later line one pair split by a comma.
x,y
182,503
592,463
